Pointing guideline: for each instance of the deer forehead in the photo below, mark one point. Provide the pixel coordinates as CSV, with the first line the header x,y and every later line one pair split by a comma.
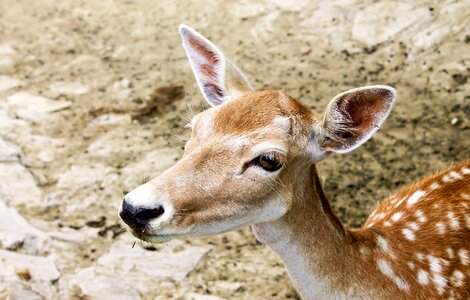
x,y
253,114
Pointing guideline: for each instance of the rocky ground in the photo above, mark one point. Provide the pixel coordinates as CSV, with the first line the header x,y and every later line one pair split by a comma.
x,y
94,96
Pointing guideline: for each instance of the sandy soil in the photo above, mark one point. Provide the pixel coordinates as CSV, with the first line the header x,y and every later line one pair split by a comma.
x,y
123,88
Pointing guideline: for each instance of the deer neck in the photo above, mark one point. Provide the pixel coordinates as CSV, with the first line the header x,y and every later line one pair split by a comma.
x,y
312,242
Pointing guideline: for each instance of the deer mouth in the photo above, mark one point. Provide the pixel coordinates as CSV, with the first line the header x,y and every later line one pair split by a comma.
x,y
153,238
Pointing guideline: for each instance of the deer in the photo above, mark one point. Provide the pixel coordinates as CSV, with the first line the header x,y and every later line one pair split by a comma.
x,y
251,160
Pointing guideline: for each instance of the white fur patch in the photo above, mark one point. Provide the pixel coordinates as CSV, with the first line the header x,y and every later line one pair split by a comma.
x,y
441,228
457,278
415,197
441,282
423,277
396,216
385,268
435,264
454,223
420,256
383,244
446,179
408,234
413,226
464,257
435,186
401,283
450,252
420,216
455,175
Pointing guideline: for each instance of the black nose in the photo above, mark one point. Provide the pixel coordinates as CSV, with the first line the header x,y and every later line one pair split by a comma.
x,y
138,218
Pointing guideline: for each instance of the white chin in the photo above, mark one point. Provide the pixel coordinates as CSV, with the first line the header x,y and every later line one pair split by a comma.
x,y
158,239
155,239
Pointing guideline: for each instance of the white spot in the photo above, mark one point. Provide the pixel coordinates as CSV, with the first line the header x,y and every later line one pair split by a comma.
x,y
441,227
420,216
413,226
435,264
450,252
441,282
387,224
446,178
380,216
457,278
401,283
423,277
396,216
385,268
454,223
435,186
415,197
411,265
383,244
455,175
283,122
408,234
463,254
420,256
399,202
465,171
364,251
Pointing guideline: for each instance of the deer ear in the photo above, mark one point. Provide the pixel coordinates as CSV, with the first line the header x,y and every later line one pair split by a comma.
x,y
352,117
218,78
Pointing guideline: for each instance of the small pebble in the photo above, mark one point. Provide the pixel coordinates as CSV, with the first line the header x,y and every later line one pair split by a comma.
x,y
305,50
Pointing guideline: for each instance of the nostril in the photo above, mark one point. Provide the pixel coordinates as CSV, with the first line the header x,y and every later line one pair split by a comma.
x,y
149,214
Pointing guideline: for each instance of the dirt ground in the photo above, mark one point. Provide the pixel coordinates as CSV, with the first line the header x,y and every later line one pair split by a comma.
x,y
115,88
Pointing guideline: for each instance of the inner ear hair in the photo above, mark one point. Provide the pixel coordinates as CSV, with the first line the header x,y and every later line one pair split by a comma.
x,y
353,116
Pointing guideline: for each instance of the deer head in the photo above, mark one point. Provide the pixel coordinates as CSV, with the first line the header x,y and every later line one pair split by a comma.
x,y
248,153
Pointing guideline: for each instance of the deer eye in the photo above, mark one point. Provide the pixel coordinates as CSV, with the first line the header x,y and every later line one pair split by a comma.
x,y
269,161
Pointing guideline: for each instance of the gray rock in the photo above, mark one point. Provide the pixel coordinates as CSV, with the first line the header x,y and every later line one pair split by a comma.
x,y
6,49
80,176
34,108
167,262
196,296
104,287
6,64
18,291
18,185
382,20
38,268
9,152
7,82
68,88
16,232
127,271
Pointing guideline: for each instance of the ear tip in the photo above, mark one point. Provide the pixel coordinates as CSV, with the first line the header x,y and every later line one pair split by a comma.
x,y
389,91
184,29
